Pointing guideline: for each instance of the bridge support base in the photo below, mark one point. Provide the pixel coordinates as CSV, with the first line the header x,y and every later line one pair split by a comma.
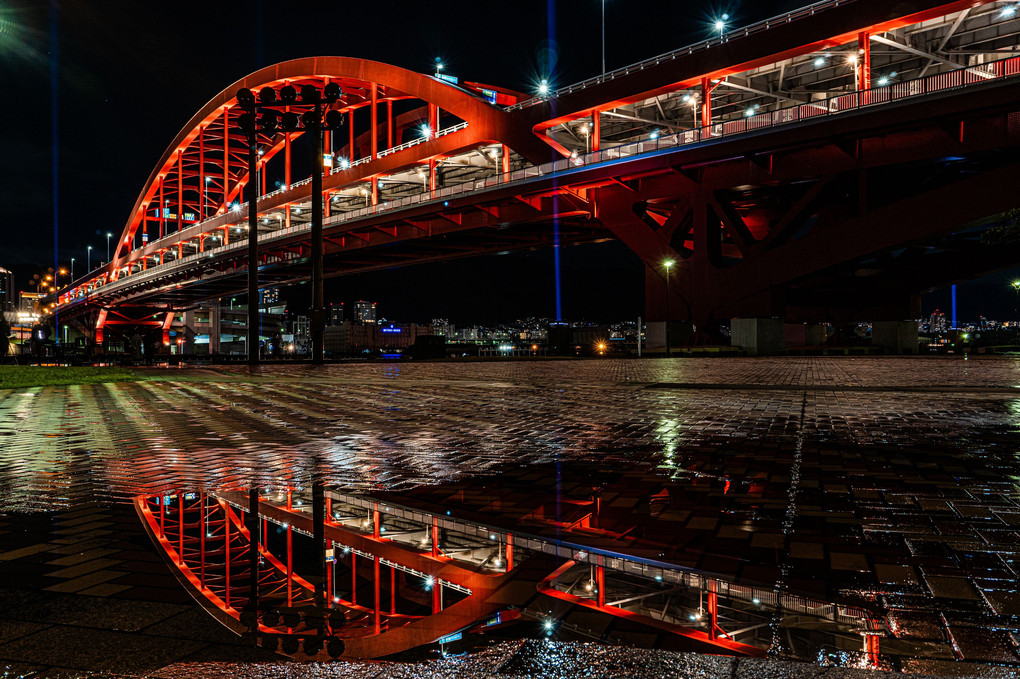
x,y
805,334
758,336
895,337
680,333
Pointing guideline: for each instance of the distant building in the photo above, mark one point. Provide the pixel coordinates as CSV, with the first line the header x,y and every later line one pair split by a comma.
x,y
269,297
28,301
336,313
349,339
937,323
364,312
6,290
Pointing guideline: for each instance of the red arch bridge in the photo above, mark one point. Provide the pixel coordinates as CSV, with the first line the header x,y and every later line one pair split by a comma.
x,y
354,576
829,164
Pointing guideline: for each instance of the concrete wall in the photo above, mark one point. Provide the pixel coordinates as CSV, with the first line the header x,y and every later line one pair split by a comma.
x,y
758,336
896,337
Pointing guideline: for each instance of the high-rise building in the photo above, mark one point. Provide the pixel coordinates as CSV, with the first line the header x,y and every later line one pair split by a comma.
x,y
269,296
364,312
336,313
937,322
6,290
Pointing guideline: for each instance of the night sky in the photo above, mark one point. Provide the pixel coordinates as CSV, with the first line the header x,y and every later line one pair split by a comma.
x,y
128,74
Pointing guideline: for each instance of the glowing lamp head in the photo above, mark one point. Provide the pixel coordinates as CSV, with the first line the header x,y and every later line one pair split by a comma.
x,y
720,25
668,263
426,131
819,62
543,87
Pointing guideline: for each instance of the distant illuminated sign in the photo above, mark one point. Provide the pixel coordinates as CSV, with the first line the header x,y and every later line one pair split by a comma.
x,y
393,331
490,96
494,620
168,214
456,636
447,78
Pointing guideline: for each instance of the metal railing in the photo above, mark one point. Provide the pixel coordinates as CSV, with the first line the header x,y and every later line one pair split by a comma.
x,y
969,76
749,30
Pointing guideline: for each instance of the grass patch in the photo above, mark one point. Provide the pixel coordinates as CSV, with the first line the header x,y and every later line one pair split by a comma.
x,y
20,376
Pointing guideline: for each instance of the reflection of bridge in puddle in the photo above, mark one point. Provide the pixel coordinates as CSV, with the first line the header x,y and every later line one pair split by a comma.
x,y
393,578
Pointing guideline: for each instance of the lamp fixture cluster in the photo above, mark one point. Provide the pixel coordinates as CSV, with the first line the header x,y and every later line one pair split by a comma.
x,y
271,120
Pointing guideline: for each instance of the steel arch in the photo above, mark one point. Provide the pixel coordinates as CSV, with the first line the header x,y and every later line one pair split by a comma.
x,y
204,168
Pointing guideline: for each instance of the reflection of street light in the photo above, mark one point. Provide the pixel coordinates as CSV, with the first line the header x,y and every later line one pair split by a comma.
x,y
668,263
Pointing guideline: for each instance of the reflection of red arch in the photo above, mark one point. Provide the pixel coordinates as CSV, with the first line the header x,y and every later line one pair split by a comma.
x,y
210,146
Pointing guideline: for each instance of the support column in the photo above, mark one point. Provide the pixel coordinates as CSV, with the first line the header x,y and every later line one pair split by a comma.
x,y
180,528
713,611
354,578
226,157
254,526
319,540
596,130
201,541
863,61
509,552
286,176
290,554
706,102
201,172
389,123
374,90
180,189
226,549
600,585
505,159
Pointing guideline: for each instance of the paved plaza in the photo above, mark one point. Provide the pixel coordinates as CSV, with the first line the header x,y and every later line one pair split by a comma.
x,y
887,480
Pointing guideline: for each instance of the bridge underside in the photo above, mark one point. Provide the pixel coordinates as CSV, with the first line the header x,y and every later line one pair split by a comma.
x,y
835,223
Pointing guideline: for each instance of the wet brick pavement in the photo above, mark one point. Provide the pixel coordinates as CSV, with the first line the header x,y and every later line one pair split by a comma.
x,y
903,472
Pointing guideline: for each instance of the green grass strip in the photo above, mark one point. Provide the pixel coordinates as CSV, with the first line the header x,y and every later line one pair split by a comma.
x,y
20,376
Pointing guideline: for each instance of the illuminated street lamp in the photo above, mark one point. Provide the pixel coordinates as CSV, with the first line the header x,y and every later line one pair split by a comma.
x,y
312,121
668,264
89,259
1016,306
108,237
720,24
72,269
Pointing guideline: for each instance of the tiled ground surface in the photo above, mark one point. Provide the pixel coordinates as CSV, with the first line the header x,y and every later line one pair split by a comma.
x,y
903,472
84,591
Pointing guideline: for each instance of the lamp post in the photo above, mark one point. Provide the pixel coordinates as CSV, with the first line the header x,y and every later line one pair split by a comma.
x,y
668,264
108,236
311,121
89,259
720,24
72,269
1016,307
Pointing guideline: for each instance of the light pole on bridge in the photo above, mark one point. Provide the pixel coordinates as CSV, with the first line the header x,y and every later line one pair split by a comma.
x,y
89,259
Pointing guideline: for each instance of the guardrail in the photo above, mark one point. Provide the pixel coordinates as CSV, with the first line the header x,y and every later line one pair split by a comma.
x,y
837,105
746,31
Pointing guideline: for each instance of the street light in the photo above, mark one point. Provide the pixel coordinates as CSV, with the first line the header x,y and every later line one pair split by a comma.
x,y
313,121
89,259
668,264
1016,306
720,24
72,269
108,237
